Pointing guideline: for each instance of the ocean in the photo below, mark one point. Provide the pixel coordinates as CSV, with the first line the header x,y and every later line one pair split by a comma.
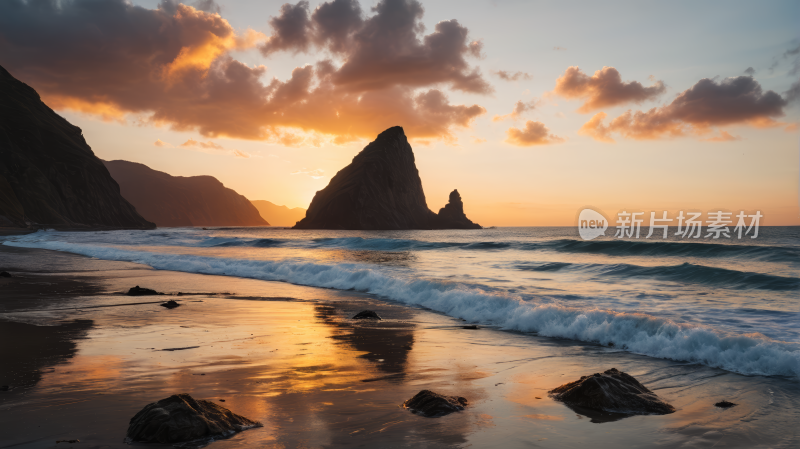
x,y
729,303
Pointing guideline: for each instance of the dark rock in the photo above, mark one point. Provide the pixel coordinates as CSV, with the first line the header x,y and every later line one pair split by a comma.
x,y
68,441
611,391
366,314
380,189
171,304
48,175
181,418
725,404
139,291
5,274
182,201
452,216
472,326
430,404
6,388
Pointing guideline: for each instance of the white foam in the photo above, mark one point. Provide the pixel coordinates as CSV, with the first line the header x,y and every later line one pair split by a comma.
x,y
751,354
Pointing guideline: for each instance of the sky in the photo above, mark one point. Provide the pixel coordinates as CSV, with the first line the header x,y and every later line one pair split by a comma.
x,y
532,110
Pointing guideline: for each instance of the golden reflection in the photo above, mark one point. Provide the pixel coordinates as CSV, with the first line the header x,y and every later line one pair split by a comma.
x,y
545,417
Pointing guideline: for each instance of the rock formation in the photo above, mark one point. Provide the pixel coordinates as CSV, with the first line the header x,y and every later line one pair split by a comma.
x,y
279,215
181,418
142,291
452,216
367,314
182,201
725,404
430,404
612,391
48,174
380,189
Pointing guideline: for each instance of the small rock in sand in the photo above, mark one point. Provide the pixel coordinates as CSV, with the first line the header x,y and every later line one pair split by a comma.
x,y
171,304
5,274
472,326
139,291
181,418
6,388
612,391
430,404
725,404
366,314
68,441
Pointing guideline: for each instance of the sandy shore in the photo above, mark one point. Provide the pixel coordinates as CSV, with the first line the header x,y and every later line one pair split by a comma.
x,y
82,359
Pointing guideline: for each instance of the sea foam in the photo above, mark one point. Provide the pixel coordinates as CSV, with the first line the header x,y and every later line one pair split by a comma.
x,y
751,354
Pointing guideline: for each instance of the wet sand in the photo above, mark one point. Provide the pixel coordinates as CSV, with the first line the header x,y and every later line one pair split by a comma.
x,y
82,359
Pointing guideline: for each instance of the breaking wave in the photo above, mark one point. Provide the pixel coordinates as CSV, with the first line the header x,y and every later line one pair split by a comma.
x,y
751,354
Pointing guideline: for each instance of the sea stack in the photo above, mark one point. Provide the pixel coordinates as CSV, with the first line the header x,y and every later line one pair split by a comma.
x,y
48,174
381,190
452,216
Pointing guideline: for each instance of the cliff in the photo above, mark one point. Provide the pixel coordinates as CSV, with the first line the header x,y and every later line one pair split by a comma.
x,y
49,177
380,189
279,215
182,201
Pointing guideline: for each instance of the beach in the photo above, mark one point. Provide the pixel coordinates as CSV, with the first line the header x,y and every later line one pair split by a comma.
x,y
82,360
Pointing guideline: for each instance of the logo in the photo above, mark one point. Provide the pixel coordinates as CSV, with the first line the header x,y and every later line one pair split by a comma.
x,y
591,224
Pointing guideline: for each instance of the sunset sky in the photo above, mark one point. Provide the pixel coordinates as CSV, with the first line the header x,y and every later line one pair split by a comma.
x,y
532,110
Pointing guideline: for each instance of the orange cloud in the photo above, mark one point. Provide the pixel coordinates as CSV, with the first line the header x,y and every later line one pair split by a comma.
x,y
173,65
316,174
516,76
208,145
106,111
519,108
604,88
201,146
696,111
534,133
723,136
594,128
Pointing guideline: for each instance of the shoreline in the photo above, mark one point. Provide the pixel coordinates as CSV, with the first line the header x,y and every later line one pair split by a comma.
x,y
289,356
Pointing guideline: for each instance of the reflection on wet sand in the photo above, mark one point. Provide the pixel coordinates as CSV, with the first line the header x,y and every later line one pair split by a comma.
x,y
316,378
386,343
596,416
28,351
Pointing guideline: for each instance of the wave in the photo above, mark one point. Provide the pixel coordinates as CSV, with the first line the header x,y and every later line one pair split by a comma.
x,y
682,249
751,354
684,273
549,266
254,243
605,247
700,274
